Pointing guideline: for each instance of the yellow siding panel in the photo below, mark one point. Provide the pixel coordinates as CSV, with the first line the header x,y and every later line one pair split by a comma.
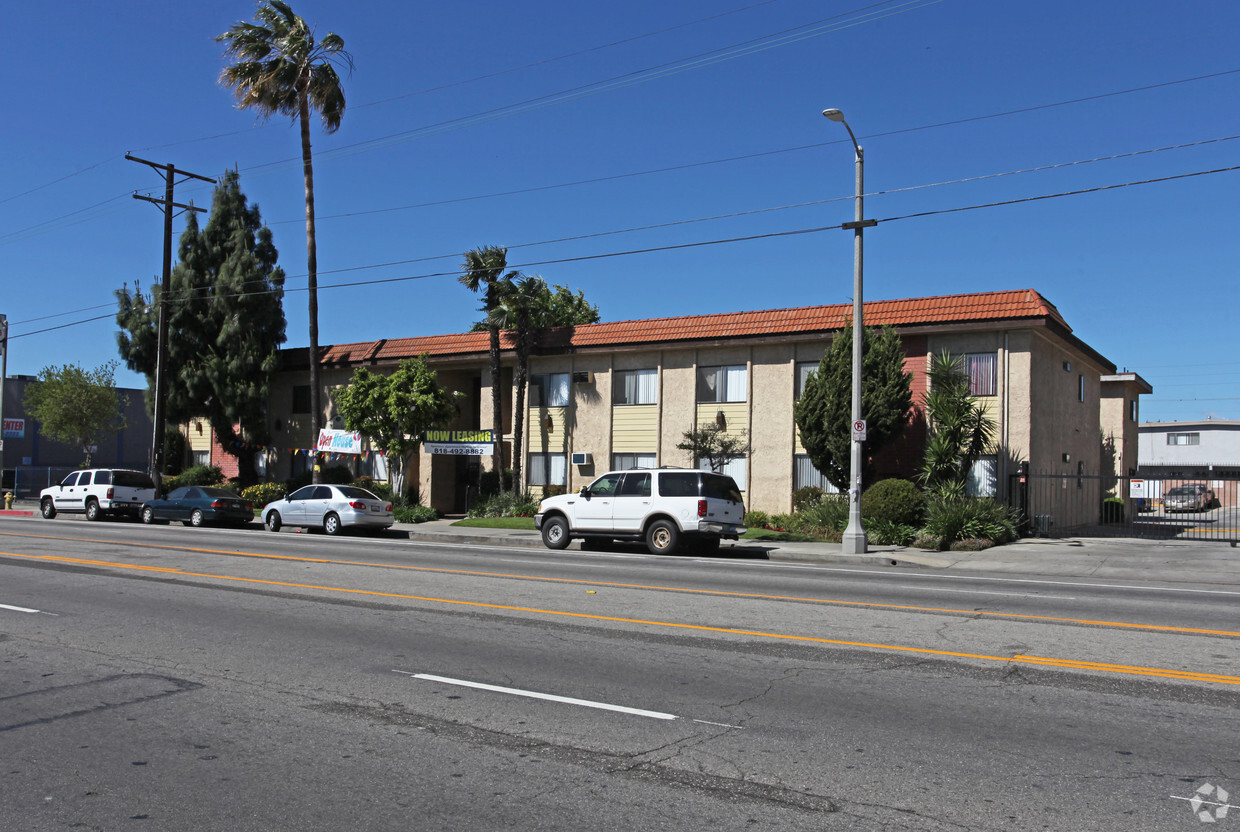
x,y
635,428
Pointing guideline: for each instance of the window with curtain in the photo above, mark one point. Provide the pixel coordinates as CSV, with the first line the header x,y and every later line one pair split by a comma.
x,y
982,368
623,462
635,387
547,469
804,474
723,384
983,477
804,368
1184,439
549,389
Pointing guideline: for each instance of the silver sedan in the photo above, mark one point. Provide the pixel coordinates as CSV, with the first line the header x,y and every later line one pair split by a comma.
x,y
333,508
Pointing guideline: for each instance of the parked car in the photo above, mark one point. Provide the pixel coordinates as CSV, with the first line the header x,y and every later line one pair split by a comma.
x,y
1192,496
333,508
665,507
98,493
197,505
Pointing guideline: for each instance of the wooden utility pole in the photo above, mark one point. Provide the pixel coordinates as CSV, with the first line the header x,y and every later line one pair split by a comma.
x,y
170,173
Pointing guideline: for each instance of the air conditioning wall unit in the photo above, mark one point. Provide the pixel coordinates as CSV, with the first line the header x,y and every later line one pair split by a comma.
x,y
583,377
583,459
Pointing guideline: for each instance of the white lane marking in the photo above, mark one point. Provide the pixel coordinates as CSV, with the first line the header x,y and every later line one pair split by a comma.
x,y
544,563
720,724
986,592
24,609
535,695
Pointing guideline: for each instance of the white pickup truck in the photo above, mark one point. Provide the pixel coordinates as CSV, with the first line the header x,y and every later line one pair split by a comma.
x,y
98,493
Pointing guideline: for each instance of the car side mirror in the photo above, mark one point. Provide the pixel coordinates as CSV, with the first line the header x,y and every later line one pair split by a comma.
x,y
585,491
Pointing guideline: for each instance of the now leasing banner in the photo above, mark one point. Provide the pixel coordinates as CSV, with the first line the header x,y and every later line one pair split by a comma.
x,y
459,442
339,442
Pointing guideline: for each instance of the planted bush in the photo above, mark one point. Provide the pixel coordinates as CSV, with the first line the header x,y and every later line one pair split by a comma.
x,y
757,519
414,514
263,493
886,533
505,504
951,519
198,475
893,501
805,497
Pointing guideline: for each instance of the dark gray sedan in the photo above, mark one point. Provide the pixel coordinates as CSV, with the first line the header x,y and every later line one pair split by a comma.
x,y
198,505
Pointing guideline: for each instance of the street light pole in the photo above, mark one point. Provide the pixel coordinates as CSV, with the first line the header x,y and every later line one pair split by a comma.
x,y
854,540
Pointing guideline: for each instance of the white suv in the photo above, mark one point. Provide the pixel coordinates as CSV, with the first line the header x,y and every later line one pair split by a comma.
x,y
98,492
665,507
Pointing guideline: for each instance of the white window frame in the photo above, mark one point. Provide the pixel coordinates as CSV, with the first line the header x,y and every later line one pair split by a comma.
x,y
546,469
731,383
625,461
635,387
982,368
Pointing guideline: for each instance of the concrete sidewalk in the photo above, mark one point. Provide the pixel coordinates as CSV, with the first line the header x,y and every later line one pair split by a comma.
x,y
1201,563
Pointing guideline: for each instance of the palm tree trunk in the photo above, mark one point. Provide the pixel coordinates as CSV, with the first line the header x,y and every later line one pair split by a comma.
x,y
312,284
497,407
518,416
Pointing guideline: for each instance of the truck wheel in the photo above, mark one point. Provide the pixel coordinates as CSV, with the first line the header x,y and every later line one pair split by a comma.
x,y
662,537
555,533
92,510
48,508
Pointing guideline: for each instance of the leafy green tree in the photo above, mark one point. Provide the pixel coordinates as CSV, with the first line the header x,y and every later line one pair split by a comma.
x,y
959,431
77,407
556,306
395,411
824,413
225,306
280,68
713,444
484,273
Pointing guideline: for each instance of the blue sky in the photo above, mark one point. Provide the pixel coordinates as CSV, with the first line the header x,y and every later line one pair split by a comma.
x,y
518,124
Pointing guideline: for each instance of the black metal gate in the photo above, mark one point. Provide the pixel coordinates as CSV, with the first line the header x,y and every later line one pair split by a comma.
x,y
1084,505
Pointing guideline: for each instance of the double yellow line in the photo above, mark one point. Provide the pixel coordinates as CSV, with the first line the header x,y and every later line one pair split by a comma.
x,y
1070,664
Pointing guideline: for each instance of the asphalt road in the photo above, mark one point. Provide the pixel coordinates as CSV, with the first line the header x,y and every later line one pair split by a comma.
x,y
170,678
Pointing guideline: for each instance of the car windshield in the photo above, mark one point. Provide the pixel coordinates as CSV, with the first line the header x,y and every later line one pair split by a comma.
x,y
354,493
1184,491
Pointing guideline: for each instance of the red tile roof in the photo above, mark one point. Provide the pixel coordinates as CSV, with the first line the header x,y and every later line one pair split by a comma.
x,y
1025,304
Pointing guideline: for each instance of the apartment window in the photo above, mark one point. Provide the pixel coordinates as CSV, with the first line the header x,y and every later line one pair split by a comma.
x,y
301,399
1080,390
1132,410
547,469
982,368
1184,439
549,390
201,457
737,467
623,462
722,384
635,387
804,475
804,368
983,477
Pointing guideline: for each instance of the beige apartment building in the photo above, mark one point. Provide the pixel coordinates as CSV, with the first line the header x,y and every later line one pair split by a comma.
x,y
623,394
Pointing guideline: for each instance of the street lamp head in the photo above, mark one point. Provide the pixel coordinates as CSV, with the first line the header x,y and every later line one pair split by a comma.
x,y
833,114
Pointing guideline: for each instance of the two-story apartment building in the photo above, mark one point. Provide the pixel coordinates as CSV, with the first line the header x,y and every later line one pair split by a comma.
x,y
623,394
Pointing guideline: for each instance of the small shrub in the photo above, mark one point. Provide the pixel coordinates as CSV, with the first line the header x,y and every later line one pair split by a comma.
x,y
951,519
805,497
1112,510
830,513
414,514
894,501
198,475
886,533
972,544
928,542
263,493
757,519
506,504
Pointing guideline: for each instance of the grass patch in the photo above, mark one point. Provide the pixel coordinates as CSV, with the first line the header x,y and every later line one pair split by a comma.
x,y
525,523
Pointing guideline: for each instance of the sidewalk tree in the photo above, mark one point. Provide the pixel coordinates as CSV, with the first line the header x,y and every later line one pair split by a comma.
x,y
519,311
824,412
396,410
77,407
226,307
958,429
279,67
712,444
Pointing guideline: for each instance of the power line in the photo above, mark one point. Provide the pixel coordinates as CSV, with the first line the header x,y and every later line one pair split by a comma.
x,y
702,243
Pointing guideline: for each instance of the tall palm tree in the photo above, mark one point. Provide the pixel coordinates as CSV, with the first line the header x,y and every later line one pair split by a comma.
x,y
484,269
280,68
518,311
